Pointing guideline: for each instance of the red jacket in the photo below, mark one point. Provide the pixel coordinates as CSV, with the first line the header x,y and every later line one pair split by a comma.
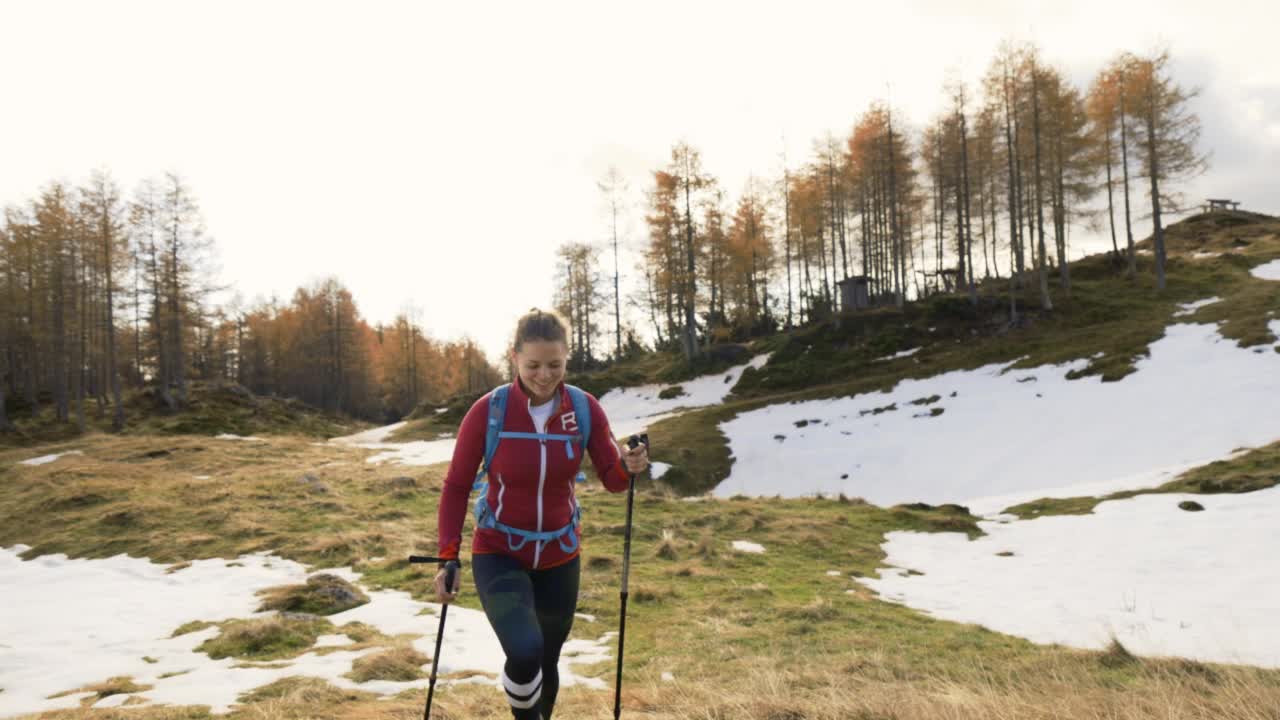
x,y
523,491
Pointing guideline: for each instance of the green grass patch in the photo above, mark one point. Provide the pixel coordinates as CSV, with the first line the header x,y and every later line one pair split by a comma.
x,y
270,638
193,626
1256,469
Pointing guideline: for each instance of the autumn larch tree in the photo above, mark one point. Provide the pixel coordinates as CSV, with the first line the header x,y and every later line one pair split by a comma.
x,y
1167,132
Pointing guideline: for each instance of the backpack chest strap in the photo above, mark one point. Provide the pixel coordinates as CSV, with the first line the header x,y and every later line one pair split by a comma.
x,y
568,439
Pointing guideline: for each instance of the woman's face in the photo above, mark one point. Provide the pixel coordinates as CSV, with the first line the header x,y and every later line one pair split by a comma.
x,y
540,365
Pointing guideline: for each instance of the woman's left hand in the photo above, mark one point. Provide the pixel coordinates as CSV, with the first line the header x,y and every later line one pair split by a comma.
x,y
636,460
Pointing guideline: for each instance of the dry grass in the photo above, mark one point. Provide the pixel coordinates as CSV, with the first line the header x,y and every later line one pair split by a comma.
x,y
111,686
400,664
850,686
207,498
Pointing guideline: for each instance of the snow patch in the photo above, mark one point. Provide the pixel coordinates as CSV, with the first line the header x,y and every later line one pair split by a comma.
x,y
658,469
229,436
417,452
1052,437
747,547
641,403
904,353
1191,307
1164,581
108,614
1268,271
337,640
45,459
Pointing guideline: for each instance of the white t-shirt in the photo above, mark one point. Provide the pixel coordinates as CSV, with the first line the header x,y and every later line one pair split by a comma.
x,y
541,414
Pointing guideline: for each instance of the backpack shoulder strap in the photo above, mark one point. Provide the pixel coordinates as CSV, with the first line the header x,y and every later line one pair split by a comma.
x,y
493,429
581,411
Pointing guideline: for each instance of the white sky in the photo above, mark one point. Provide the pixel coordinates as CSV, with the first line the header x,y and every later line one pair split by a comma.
x,y
437,155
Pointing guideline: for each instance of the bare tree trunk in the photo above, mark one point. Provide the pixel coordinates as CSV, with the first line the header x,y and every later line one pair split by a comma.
x,y
33,349
962,276
691,349
1111,204
59,332
1064,265
786,212
995,229
968,212
137,320
617,299
1124,163
899,244
1153,169
1044,275
176,307
653,307
161,330
117,418
80,303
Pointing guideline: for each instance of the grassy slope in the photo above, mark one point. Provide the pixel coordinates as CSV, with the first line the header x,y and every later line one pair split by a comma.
x,y
724,623
746,636
212,409
1108,320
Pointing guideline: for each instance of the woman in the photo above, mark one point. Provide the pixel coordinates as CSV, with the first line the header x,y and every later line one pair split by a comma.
x,y
525,550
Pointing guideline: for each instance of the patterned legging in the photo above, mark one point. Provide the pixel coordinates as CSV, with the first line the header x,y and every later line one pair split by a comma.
x,y
531,612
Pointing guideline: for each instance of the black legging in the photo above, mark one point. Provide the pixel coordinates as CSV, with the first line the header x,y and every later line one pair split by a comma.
x,y
531,612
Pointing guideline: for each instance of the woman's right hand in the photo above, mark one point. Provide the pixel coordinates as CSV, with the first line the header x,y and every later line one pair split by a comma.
x,y
447,595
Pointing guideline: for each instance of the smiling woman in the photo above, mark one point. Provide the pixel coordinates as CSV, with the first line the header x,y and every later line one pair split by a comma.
x,y
528,440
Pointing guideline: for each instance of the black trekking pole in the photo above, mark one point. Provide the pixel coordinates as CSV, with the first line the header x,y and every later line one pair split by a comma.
x,y
632,443
450,574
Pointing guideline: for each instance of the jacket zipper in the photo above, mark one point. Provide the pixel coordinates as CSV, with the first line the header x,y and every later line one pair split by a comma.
x,y
542,480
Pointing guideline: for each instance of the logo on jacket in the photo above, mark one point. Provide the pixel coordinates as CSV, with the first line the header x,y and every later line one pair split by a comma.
x,y
569,421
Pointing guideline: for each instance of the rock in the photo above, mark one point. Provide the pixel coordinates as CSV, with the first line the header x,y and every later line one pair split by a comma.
x,y
336,589
1191,506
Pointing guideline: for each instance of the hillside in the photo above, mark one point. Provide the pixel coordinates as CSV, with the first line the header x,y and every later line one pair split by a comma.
x,y
213,408
1106,324
759,607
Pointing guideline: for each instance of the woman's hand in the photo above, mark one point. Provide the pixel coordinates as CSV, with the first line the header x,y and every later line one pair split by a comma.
x,y
445,596
637,459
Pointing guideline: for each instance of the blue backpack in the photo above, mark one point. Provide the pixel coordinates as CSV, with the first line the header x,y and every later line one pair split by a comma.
x,y
494,434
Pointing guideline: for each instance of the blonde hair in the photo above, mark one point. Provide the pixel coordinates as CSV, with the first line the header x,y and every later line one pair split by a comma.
x,y
541,325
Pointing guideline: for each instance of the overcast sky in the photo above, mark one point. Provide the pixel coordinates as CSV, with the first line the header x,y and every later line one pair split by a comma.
x,y
437,154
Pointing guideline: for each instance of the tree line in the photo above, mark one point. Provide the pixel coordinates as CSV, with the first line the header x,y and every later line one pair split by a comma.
x,y
104,294
991,188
